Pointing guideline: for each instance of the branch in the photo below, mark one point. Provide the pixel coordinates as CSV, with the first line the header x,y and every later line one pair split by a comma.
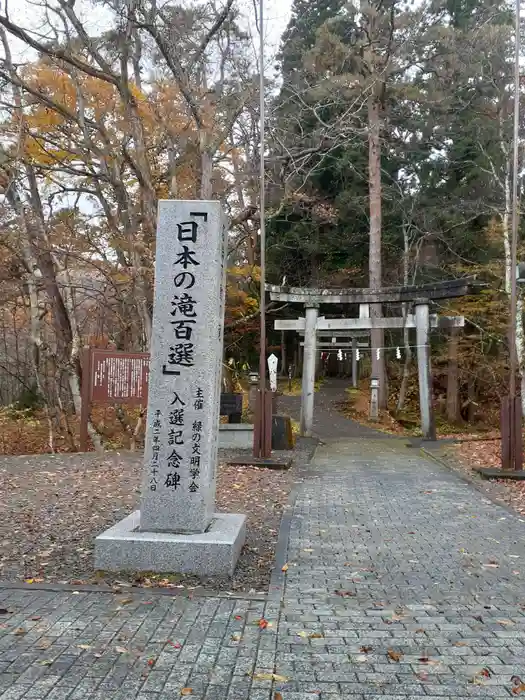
x,y
59,54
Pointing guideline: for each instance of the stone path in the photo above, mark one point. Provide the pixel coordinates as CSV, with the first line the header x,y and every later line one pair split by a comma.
x,y
402,581
329,422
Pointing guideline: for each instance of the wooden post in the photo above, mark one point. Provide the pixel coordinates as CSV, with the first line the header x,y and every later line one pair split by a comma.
x,y
428,427
511,436
85,396
309,361
354,363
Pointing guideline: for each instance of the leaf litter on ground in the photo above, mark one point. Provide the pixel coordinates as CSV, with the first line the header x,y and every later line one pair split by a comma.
x,y
52,505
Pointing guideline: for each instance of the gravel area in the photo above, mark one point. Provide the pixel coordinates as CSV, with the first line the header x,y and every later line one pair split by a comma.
x,y
53,506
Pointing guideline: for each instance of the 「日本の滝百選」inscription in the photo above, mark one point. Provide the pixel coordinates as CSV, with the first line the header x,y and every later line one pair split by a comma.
x,y
176,529
183,402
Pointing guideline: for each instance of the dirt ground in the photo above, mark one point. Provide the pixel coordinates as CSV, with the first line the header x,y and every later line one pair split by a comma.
x,y
53,506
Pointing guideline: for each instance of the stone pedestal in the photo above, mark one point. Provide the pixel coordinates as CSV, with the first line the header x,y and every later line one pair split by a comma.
x,y
125,547
176,529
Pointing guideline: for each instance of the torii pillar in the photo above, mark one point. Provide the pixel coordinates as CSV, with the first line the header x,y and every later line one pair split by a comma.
x,y
354,363
309,362
428,426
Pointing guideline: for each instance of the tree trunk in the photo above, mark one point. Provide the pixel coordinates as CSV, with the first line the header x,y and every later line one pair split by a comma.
x,y
520,349
453,407
406,333
206,189
374,183
472,396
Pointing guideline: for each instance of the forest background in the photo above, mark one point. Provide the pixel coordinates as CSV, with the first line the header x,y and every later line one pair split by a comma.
x,y
389,153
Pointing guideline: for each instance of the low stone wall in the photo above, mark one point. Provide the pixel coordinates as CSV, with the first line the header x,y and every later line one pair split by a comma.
x,y
236,436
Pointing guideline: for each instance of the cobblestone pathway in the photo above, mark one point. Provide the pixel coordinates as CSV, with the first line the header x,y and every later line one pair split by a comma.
x,y
402,581
329,422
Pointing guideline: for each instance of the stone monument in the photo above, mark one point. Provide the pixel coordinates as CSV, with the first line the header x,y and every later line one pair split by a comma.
x,y
176,529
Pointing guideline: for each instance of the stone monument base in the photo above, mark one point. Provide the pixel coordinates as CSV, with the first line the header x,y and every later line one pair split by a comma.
x,y
215,552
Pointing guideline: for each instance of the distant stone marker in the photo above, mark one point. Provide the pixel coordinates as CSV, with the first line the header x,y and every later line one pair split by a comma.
x,y
272,370
176,528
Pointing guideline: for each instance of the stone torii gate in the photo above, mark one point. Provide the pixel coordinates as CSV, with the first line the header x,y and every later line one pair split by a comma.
x,y
420,296
325,341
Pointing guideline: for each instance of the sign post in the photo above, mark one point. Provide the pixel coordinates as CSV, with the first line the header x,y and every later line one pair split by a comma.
x,y
110,376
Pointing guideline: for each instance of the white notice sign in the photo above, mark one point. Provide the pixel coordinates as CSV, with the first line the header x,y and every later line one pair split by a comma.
x,y
272,369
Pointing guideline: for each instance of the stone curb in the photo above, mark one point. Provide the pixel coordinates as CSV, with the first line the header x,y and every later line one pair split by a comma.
x,y
133,590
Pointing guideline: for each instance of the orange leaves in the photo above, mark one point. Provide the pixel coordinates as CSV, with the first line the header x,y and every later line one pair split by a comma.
x,y
394,655
518,686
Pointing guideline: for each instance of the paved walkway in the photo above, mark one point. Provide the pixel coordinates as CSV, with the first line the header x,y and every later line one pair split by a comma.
x,y
402,581
329,422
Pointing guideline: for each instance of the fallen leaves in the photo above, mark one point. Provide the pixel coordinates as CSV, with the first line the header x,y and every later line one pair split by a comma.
x,y
49,497
277,696
285,568
263,624
518,686
44,644
394,655
121,650
175,645
345,594
480,676
84,646
19,631
365,649
269,677
310,635
186,691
